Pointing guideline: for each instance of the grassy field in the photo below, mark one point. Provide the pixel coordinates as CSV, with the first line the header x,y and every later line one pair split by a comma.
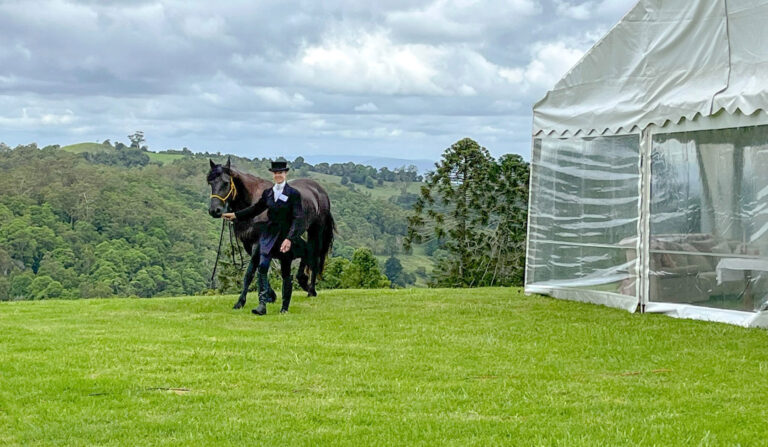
x,y
408,367
383,192
164,157
160,157
87,147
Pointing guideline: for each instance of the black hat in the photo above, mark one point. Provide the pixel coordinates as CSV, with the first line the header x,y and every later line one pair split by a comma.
x,y
278,166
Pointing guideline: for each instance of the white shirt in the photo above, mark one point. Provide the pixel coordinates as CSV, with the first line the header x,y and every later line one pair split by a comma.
x,y
278,189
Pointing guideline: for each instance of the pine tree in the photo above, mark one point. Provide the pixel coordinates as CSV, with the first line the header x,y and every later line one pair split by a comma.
x,y
454,207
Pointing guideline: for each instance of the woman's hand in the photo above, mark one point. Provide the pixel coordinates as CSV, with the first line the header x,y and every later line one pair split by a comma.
x,y
285,246
228,216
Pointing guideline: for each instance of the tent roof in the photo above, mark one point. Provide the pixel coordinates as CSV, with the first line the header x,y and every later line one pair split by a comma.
x,y
664,61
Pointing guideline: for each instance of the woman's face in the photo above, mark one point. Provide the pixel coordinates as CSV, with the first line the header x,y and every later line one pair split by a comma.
x,y
279,176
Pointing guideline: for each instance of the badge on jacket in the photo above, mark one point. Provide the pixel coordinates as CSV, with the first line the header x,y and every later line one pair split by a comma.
x,y
282,197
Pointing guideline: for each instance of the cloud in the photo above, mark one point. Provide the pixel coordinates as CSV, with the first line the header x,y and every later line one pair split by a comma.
x,y
361,62
33,117
581,11
279,98
550,62
401,75
367,107
460,19
590,9
372,63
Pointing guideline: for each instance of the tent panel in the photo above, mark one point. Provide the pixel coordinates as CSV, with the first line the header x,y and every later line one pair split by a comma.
x,y
663,62
584,215
709,218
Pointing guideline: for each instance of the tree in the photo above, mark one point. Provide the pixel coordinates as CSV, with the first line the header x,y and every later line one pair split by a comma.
x,y
455,207
405,176
334,268
136,139
363,272
43,287
393,268
507,253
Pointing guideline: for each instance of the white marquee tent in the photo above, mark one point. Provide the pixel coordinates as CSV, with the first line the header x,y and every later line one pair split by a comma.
x,y
649,170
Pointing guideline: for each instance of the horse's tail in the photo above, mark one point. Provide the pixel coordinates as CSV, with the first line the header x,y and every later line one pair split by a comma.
x,y
326,241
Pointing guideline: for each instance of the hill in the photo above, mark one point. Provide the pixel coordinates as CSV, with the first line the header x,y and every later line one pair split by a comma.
x,y
93,148
411,367
423,165
99,148
111,223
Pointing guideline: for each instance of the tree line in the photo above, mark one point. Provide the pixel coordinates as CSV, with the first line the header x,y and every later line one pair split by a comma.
x,y
116,224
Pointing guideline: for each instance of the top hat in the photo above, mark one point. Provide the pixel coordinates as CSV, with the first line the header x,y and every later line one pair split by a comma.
x,y
279,166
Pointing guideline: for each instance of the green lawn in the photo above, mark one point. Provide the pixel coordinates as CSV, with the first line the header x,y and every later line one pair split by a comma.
x,y
87,147
409,367
164,157
383,192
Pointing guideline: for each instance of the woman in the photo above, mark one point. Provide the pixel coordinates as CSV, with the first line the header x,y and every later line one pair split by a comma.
x,y
282,236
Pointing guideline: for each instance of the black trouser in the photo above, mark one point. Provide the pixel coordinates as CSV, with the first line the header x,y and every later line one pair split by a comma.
x,y
285,264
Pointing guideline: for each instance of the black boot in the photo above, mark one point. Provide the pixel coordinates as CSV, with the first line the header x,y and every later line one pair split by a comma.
x,y
263,286
270,294
287,290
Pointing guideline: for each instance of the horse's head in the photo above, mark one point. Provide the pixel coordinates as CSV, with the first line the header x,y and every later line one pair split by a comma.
x,y
222,188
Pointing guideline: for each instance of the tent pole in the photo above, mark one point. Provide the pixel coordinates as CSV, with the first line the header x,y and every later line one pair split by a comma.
x,y
644,222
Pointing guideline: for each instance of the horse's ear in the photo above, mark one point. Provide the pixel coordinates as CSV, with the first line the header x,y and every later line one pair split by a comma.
x,y
213,165
228,163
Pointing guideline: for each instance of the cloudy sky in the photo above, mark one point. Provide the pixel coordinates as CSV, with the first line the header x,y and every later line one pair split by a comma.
x,y
395,78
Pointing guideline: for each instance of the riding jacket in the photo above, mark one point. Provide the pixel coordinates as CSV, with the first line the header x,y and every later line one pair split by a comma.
x,y
284,217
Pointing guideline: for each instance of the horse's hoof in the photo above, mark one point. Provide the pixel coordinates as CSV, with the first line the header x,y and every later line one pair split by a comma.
x,y
311,293
239,305
303,282
271,296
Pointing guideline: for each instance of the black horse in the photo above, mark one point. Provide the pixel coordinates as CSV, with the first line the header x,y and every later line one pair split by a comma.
x,y
233,190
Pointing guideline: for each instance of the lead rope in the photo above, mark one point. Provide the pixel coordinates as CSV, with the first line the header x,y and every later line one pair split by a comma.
x,y
233,242
232,245
218,252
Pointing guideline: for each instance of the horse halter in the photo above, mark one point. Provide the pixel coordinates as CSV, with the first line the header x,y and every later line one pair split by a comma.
x,y
232,191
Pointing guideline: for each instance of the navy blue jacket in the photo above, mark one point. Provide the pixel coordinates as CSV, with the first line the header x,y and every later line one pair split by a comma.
x,y
284,217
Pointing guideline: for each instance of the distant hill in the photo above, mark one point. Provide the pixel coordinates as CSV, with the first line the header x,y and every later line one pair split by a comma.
x,y
96,221
97,148
423,165
93,148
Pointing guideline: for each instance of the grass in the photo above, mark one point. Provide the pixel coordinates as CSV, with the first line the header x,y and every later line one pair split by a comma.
x,y
164,157
408,367
383,192
87,147
161,157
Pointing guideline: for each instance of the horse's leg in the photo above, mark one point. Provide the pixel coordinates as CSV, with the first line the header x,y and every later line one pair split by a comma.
x,y
246,284
313,280
285,274
301,275
314,261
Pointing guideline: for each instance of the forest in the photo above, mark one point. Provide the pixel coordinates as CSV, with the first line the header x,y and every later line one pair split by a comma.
x,y
113,220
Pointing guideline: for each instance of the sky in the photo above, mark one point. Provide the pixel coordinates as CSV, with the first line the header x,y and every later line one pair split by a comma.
x,y
395,78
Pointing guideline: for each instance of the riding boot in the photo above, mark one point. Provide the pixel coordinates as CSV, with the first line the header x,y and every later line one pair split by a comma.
x,y
270,294
263,286
287,290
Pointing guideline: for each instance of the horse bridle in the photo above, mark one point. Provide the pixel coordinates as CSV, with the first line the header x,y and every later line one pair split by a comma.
x,y
232,191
